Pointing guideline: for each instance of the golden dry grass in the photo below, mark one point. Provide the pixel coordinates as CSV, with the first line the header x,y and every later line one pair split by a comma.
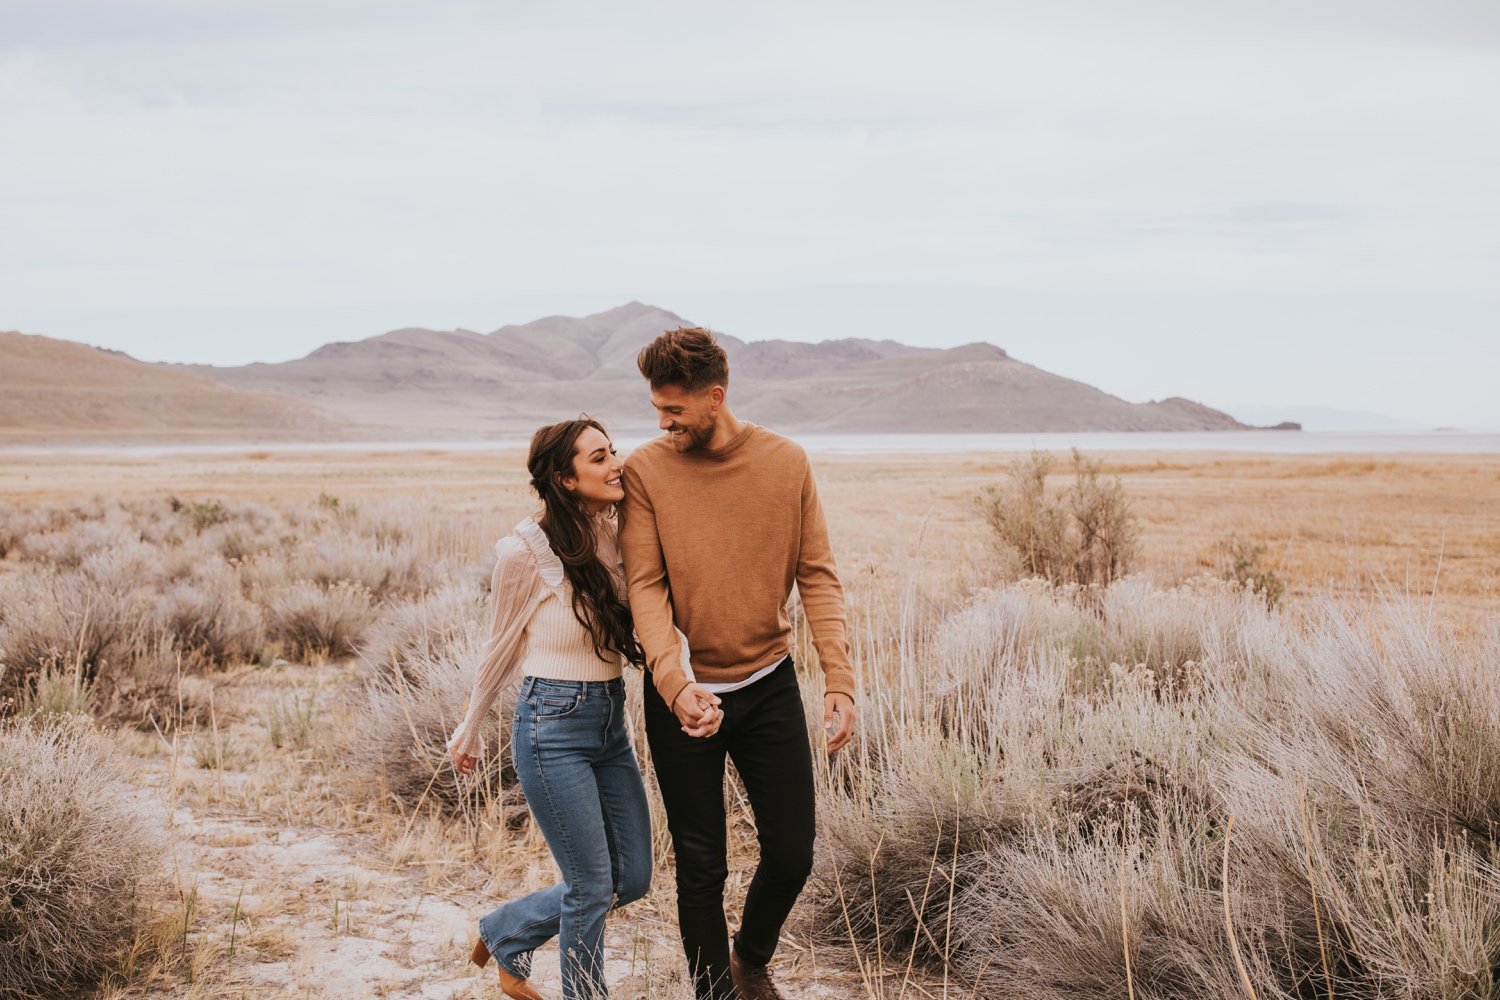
x,y
1345,525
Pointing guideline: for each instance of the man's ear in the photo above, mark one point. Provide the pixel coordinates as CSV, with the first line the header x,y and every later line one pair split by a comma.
x,y
716,395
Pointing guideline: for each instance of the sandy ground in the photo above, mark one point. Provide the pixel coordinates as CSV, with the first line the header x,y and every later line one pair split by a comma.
x,y
291,888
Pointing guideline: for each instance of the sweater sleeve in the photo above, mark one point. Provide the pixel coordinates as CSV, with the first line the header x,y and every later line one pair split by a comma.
x,y
822,594
516,590
650,596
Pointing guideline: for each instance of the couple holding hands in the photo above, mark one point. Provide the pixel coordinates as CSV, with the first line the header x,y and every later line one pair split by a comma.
x,y
681,560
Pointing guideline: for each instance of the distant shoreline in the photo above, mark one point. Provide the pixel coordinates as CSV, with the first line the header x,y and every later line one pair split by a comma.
x,y
1267,441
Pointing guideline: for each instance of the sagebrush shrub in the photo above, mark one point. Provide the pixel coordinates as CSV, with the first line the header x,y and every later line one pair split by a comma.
x,y
79,860
1040,801
210,620
319,622
1086,535
57,693
78,622
425,628
68,546
1241,562
400,736
384,569
128,595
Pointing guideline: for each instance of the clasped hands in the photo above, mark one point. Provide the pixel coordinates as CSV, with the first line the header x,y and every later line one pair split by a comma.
x,y
697,709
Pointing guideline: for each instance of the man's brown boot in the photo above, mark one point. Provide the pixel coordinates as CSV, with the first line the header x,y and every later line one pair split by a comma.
x,y
752,981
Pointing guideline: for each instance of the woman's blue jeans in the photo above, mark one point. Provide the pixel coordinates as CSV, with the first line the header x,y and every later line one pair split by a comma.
x,y
584,789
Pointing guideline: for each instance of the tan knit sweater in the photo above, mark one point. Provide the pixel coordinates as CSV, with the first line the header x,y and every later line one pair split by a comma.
x,y
713,541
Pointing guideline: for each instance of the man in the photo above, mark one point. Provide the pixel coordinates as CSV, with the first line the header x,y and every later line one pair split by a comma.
x,y
721,518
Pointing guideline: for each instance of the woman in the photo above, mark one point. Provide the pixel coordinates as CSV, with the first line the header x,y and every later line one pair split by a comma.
x,y
561,619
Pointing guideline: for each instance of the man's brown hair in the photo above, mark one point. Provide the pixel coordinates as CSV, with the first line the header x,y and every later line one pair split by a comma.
x,y
688,357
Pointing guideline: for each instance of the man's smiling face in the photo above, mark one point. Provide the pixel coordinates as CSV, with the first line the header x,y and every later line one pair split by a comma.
x,y
688,417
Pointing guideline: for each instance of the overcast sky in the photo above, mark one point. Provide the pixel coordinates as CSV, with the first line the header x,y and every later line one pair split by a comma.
x,y
1243,202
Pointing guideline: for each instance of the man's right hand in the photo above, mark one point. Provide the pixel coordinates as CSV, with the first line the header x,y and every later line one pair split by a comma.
x,y
697,708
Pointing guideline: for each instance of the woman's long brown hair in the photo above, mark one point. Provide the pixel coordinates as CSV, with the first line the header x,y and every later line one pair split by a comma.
x,y
570,530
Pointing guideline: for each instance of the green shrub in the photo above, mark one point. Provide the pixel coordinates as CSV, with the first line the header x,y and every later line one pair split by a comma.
x,y
1242,565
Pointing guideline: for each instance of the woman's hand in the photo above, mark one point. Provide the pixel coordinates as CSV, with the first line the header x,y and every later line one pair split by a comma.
x,y
697,708
463,763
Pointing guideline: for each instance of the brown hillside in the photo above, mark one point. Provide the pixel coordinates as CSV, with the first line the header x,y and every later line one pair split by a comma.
x,y
57,390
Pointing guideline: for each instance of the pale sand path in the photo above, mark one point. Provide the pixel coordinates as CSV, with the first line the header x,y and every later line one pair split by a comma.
x,y
290,899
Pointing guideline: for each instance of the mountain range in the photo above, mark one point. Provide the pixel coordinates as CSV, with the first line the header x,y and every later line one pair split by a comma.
x,y
421,384
444,383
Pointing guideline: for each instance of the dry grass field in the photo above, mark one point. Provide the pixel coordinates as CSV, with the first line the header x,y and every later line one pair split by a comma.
x,y
1334,525
313,848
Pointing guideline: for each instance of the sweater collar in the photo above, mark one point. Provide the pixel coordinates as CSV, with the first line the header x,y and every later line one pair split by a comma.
x,y
730,448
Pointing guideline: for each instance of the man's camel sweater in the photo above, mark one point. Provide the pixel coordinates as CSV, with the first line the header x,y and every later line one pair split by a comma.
x,y
712,542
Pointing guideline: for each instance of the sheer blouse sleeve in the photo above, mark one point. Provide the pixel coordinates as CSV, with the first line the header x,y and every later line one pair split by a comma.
x,y
515,592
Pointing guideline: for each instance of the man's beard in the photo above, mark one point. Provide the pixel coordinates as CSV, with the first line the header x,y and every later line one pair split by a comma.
x,y
694,438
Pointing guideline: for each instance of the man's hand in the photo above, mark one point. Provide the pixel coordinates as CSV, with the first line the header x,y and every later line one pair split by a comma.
x,y
463,763
838,720
697,708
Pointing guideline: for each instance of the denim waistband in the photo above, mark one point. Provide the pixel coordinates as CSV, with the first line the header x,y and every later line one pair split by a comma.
x,y
613,686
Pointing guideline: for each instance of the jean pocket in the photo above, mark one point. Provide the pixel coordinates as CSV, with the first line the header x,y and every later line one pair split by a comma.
x,y
553,706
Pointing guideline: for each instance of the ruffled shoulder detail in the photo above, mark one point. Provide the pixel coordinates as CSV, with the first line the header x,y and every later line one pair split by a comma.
x,y
547,563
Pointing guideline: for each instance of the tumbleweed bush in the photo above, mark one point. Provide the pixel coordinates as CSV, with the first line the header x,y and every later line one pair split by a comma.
x,y
79,860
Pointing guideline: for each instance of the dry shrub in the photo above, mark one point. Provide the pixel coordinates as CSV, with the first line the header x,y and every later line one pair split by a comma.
x,y
1240,561
199,583
400,737
67,543
78,622
150,691
78,861
57,693
18,522
1034,824
1134,623
316,622
291,720
210,620
1064,914
1086,535
386,569
426,628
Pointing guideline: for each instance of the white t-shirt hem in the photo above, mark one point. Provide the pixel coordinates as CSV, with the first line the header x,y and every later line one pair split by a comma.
x,y
728,686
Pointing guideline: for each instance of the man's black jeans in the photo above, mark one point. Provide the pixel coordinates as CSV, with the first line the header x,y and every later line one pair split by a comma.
x,y
765,733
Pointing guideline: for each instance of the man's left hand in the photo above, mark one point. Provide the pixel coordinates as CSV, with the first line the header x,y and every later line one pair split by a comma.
x,y
838,720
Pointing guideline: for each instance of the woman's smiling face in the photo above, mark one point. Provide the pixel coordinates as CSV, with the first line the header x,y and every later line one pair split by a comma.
x,y
596,471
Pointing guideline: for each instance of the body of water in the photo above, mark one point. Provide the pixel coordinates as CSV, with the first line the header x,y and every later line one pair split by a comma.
x,y
1273,442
